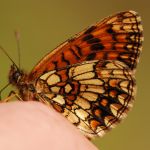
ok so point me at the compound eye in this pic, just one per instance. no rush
(16, 76)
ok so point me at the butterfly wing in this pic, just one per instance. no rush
(118, 37)
(93, 95)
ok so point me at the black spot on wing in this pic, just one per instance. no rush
(97, 46)
(89, 30)
(110, 31)
(78, 49)
(91, 56)
(88, 37)
(94, 40)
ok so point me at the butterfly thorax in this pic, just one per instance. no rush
(15, 76)
(19, 79)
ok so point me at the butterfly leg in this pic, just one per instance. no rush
(11, 96)
(42, 100)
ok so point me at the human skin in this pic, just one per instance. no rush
(33, 126)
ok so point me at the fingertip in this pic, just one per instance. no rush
(32, 125)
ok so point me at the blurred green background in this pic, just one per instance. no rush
(45, 24)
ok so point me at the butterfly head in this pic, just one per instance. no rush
(15, 75)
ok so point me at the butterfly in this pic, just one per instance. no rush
(90, 78)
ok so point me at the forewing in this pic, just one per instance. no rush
(118, 37)
(93, 95)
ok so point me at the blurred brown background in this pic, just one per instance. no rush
(45, 24)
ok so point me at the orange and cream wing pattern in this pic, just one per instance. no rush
(90, 77)
(93, 95)
(118, 37)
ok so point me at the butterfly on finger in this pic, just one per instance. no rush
(90, 77)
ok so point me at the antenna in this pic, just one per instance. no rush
(17, 36)
(4, 51)
(3, 89)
